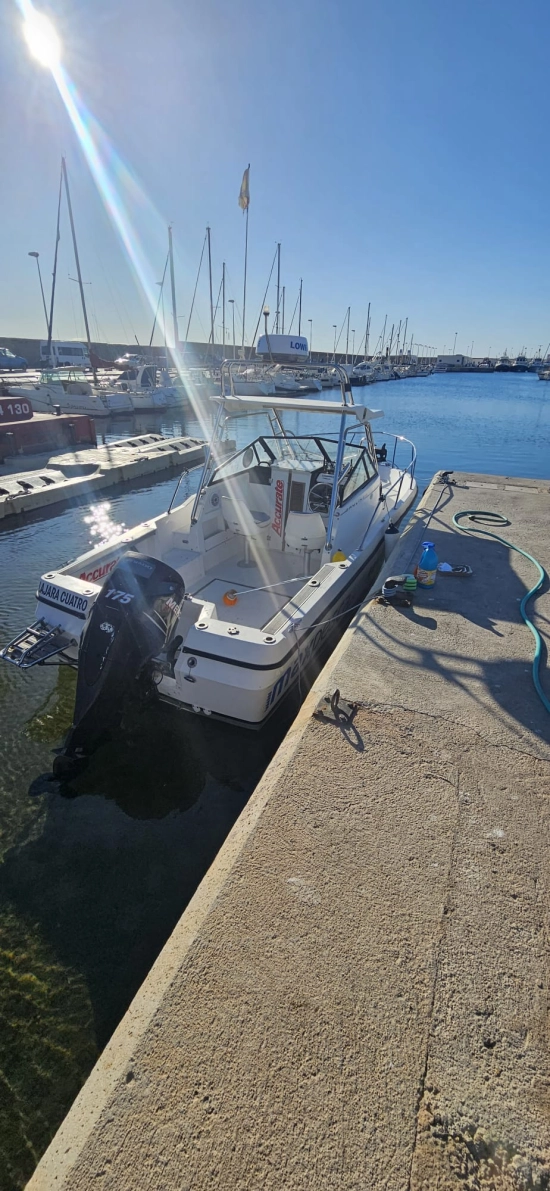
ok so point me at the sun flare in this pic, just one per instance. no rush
(42, 39)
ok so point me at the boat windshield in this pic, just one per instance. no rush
(319, 450)
(56, 376)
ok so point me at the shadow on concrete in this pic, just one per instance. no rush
(488, 600)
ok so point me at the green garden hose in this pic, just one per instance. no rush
(480, 515)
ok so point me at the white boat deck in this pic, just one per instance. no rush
(253, 608)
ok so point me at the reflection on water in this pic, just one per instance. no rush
(95, 876)
(102, 526)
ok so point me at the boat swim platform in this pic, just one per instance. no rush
(357, 995)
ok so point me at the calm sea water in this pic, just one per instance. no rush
(91, 884)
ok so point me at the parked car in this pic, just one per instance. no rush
(11, 362)
(129, 360)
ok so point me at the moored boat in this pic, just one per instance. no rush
(66, 389)
(219, 605)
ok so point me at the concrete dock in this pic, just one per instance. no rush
(357, 995)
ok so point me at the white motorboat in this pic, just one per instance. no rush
(246, 381)
(219, 605)
(68, 389)
(140, 386)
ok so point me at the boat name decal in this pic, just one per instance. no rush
(277, 523)
(99, 572)
(67, 599)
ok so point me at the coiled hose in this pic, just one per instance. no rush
(481, 516)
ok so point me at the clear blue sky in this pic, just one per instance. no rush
(398, 151)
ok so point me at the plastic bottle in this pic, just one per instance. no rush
(427, 567)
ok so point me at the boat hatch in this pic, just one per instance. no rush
(36, 644)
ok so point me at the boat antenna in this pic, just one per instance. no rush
(278, 288)
(76, 258)
(223, 309)
(347, 333)
(173, 288)
(54, 274)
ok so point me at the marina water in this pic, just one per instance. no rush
(93, 880)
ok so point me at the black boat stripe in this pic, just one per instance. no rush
(216, 657)
(60, 607)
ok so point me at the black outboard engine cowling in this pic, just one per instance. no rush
(133, 619)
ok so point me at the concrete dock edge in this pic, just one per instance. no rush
(357, 994)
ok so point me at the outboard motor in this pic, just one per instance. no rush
(133, 618)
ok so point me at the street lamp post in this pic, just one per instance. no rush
(334, 352)
(35, 254)
(353, 346)
(454, 344)
(232, 305)
(310, 321)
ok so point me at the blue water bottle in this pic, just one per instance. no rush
(427, 567)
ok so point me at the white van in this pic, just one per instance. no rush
(65, 354)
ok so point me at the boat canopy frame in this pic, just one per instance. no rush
(229, 404)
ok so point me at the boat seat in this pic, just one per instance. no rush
(305, 531)
(251, 523)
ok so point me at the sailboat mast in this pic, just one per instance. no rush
(210, 282)
(54, 274)
(405, 336)
(161, 290)
(245, 267)
(367, 334)
(278, 288)
(173, 287)
(300, 310)
(283, 327)
(75, 246)
(347, 333)
(223, 309)
(383, 336)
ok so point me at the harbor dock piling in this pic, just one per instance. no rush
(357, 995)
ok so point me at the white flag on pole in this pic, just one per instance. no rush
(244, 196)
